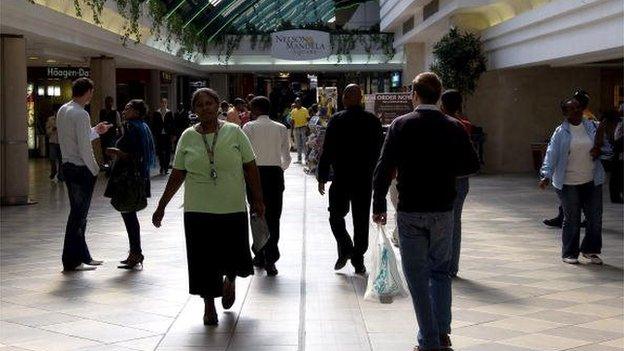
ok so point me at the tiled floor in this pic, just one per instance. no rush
(513, 293)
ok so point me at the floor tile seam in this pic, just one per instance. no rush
(188, 299)
(81, 318)
(361, 310)
(240, 311)
(301, 338)
(58, 333)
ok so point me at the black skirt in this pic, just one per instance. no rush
(217, 245)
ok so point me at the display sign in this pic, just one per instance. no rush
(327, 100)
(300, 44)
(67, 72)
(389, 106)
(165, 77)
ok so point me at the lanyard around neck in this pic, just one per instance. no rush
(210, 149)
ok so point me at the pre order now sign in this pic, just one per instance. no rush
(300, 44)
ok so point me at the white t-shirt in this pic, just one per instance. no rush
(580, 168)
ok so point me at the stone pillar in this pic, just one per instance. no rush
(173, 93)
(153, 91)
(414, 58)
(103, 71)
(103, 75)
(14, 146)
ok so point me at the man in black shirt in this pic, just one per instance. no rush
(351, 147)
(429, 150)
(110, 116)
(163, 130)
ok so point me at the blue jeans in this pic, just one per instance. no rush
(300, 140)
(462, 186)
(574, 198)
(80, 183)
(425, 243)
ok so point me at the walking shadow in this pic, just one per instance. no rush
(484, 292)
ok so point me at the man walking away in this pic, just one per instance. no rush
(351, 148)
(80, 170)
(300, 117)
(426, 184)
(271, 145)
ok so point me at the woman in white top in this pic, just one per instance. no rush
(572, 164)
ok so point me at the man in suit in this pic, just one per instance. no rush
(163, 129)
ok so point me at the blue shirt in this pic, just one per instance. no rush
(556, 159)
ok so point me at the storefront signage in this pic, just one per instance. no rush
(165, 77)
(300, 44)
(67, 72)
(389, 106)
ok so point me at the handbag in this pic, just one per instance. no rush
(126, 188)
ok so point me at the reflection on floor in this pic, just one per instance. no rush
(513, 293)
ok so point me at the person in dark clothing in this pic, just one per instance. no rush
(163, 130)
(351, 148)
(109, 116)
(135, 151)
(429, 151)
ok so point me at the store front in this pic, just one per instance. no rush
(47, 89)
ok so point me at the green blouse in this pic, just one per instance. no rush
(226, 194)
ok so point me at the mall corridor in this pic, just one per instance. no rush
(513, 294)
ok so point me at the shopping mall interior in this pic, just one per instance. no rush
(521, 59)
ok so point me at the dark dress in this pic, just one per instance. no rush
(130, 143)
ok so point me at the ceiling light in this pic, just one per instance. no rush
(50, 61)
(33, 58)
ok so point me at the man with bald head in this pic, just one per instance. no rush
(351, 148)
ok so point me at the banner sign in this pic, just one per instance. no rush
(389, 106)
(67, 72)
(300, 44)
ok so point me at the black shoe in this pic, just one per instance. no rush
(258, 262)
(360, 269)
(554, 222)
(341, 262)
(271, 270)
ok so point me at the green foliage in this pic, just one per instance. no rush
(459, 60)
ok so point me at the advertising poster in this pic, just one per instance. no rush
(389, 106)
(327, 100)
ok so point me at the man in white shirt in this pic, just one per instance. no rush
(271, 145)
(80, 170)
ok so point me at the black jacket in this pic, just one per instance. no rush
(157, 124)
(429, 150)
(351, 147)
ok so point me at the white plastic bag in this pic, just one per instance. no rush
(384, 279)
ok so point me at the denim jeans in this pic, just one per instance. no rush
(574, 198)
(80, 183)
(425, 245)
(462, 186)
(300, 140)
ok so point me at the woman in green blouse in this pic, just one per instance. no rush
(214, 159)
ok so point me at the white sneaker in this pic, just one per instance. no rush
(570, 260)
(593, 258)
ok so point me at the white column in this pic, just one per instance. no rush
(103, 74)
(415, 58)
(14, 147)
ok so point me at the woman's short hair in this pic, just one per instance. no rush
(213, 94)
(564, 104)
(139, 106)
(582, 97)
(81, 86)
(428, 87)
(451, 100)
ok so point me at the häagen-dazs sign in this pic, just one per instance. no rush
(300, 44)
